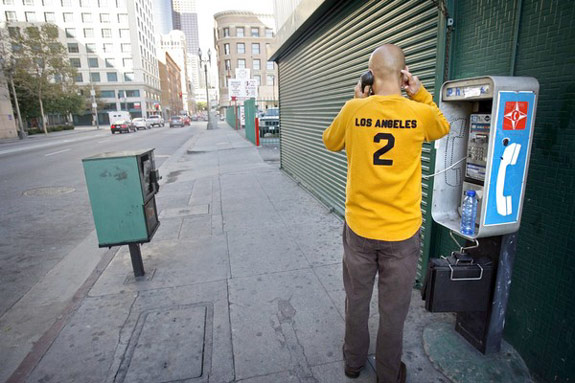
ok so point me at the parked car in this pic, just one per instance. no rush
(186, 120)
(156, 120)
(176, 121)
(194, 117)
(122, 126)
(270, 123)
(141, 123)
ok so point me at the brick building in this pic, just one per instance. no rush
(170, 83)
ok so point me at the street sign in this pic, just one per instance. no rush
(242, 74)
(251, 88)
(237, 89)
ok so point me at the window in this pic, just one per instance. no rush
(127, 62)
(109, 63)
(84, 3)
(10, 16)
(123, 18)
(8, 2)
(270, 79)
(104, 17)
(73, 48)
(14, 32)
(124, 33)
(75, 62)
(226, 49)
(68, 17)
(239, 31)
(269, 32)
(226, 32)
(49, 17)
(92, 62)
(86, 17)
(126, 48)
(30, 17)
(112, 76)
(270, 65)
(70, 32)
(88, 32)
(109, 106)
(129, 76)
(108, 47)
(66, 3)
(258, 79)
(95, 77)
(102, 3)
(256, 48)
(228, 64)
(106, 33)
(28, 2)
(108, 94)
(255, 32)
(256, 64)
(78, 78)
(91, 48)
(241, 47)
(241, 63)
(47, 2)
(133, 93)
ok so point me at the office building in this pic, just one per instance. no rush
(242, 40)
(162, 15)
(185, 19)
(174, 43)
(110, 42)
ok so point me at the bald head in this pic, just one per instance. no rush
(386, 62)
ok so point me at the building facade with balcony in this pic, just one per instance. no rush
(111, 43)
(242, 39)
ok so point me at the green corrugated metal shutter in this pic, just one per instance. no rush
(317, 75)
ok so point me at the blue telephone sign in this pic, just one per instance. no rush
(511, 144)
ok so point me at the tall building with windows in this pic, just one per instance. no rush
(162, 15)
(174, 43)
(185, 19)
(242, 39)
(110, 42)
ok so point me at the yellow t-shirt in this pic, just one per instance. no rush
(383, 137)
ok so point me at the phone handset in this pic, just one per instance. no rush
(504, 203)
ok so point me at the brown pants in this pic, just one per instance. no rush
(396, 263)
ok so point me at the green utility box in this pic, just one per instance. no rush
(122, 188)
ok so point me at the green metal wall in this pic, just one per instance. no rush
(317, 75)
(250, 115)
(541, 316)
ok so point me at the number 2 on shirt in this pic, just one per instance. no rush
(377, 160)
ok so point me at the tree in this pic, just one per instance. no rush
(43, 70)
(201, 105)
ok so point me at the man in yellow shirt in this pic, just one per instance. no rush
(382, 135)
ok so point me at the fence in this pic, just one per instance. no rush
(267, 131)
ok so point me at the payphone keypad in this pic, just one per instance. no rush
(477, 146)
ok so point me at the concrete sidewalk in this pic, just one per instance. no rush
(243, 284)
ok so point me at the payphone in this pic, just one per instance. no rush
(487, 150)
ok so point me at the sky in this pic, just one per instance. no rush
(207, 8)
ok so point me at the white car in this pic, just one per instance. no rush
(156, 120)
(141, 123)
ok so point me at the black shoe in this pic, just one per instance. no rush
(352, 373)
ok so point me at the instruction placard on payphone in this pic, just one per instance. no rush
(487, 150)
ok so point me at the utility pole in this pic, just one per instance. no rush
(206, 62)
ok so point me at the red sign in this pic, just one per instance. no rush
(234, 98)
(515, 115)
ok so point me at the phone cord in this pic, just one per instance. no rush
(444, 170)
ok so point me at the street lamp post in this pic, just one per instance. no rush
(206, 62)
(94, 106)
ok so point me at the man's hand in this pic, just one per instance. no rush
(358, 93)
(411, 83)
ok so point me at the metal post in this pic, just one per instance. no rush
(21, 125)
(95, 106)
(136, 256)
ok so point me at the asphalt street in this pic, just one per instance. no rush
(45, 210)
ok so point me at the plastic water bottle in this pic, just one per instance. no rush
(468, 213)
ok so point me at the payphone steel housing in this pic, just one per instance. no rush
(492, 121)
(122, 188)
